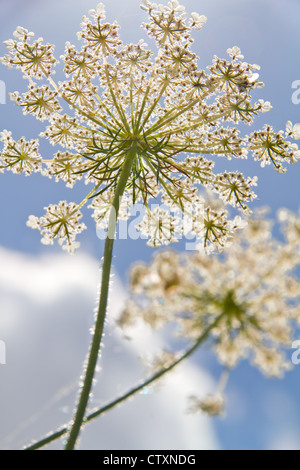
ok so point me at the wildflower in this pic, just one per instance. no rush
(21, 156)
(293, 130)
(269, 147)
(197, 21)
(160, 226)
(61, 221)
(102, 205)
(248, 296)
(34, 58)
(163, 115)
(40, 101)
(63, 167)
(149, 127)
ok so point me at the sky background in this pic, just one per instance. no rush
(47, 298)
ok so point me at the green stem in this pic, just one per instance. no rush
(133, 391)
(100, 319)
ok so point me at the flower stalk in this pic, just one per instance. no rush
(100, 319)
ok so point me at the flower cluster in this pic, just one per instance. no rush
(213, 405)
(171, 117)
(248, 297)
(21, 156)
(61, 221)
(34, 58)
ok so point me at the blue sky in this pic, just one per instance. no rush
(261, 414)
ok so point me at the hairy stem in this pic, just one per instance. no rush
(100, 319)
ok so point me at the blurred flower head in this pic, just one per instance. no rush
(250, 293)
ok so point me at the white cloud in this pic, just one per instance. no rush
(46, 306)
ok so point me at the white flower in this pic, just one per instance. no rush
(60, 221)
(160, 226)
(269, 147)
(250, 293)
(99, 12)
(5, 136)
(146, 5)
(175, 118)
(19, 156)
(254, 77)
(22, 34)
(265, 105)
(235, 52)
(33, 222)
(174, 6)
(197, 21)
(271, 362)
(293, 130)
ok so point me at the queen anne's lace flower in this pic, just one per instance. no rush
(173, 118)
(269, 147)
(102, 205)
(63, 167)
(235, 189)
(61, 221)
(160, 226)
(39, 101)
(21, 156)
(249, 297)
(34, 58)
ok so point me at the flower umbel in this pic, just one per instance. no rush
(249, 296)
(173, 118)
(21, 156)
(61, 221)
